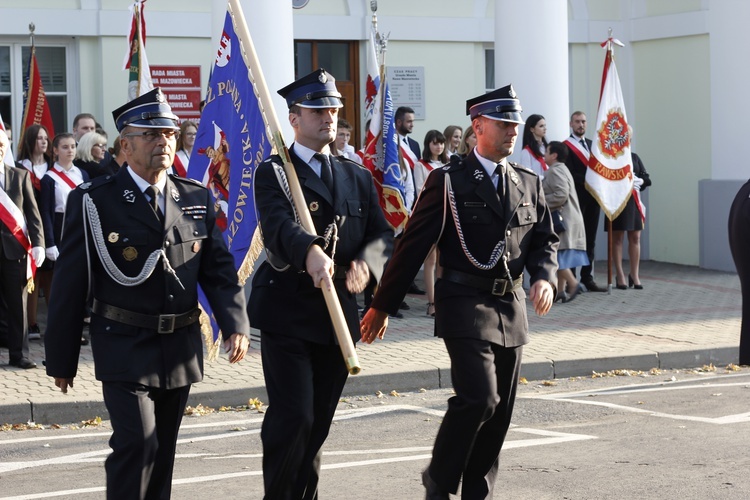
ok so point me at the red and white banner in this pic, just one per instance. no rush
(609, 177)
(380, 155)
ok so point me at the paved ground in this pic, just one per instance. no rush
(684, 317)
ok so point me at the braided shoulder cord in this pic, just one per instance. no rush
(497, 252)
(91, 215)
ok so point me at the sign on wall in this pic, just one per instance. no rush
(407, 88)
(182, 87)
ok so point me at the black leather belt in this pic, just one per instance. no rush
(496, 286)
(162, 323)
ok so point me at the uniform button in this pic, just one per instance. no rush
(166, 243)
(170, 298)
(338, 218)
(195, 233)
(270, 282)
(507, 232)
(528, 217)
(359, 209)
(107, 328)
(125, 240)
(474, 217)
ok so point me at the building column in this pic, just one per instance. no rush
(271, 28)
(531, 52)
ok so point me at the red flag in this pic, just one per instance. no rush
(609, 177)
(35, 109)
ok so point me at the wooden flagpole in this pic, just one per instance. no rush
(274, 133)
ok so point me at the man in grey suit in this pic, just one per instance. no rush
(140, 242)
(18, 244)
(489, 221)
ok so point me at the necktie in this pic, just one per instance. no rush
(501, 183)
(325, 171)
(153, 193)
(583, 143)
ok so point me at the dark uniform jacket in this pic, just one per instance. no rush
(21, 192)
(286, 302)
(131, 232)
(461, 310)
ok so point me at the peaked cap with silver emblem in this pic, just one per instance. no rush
(501, 104)
(316, 90)
(151, 110)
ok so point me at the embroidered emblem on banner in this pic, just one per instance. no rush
(614, 134)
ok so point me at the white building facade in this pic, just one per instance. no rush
(682, 79)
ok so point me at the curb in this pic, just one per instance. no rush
(47, 411)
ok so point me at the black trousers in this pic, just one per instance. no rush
(145, 422)
(590, 211)
(485, 377)
(304, 381)
(14, 294)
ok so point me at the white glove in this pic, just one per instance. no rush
(37, 253)
(52, 253)
(637, 182)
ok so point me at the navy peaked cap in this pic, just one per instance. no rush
(501, 104)
(316, 90)
(151, 110)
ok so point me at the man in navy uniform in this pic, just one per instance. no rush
(489, 221)
(303, 367)
(140, 242)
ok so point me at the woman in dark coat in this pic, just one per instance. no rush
(632, 219)
(739, 243)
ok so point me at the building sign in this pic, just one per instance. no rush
(407, 88)
(182, 87)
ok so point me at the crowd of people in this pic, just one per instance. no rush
(477, 223)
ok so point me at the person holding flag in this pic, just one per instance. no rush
(21, 252)
(609, 176)
(140, 242)
(302, 364)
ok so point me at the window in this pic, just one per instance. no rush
(489, 69)
(53, 63)
(5, 96)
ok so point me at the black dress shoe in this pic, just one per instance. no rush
(434, 492)
(416, 290)
(404, 306)
(591, 286)
(398, 315)
(24, 363)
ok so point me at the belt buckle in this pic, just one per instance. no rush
(166, 323)
(499, 286)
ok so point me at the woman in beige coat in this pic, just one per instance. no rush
(560, 194)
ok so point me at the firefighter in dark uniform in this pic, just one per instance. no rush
(303, 367)
(140, 242)
(489, 221)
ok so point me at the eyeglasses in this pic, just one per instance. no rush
(190, 134)
(100, 145)
(153, 135)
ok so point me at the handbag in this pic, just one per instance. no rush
(558, 223)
